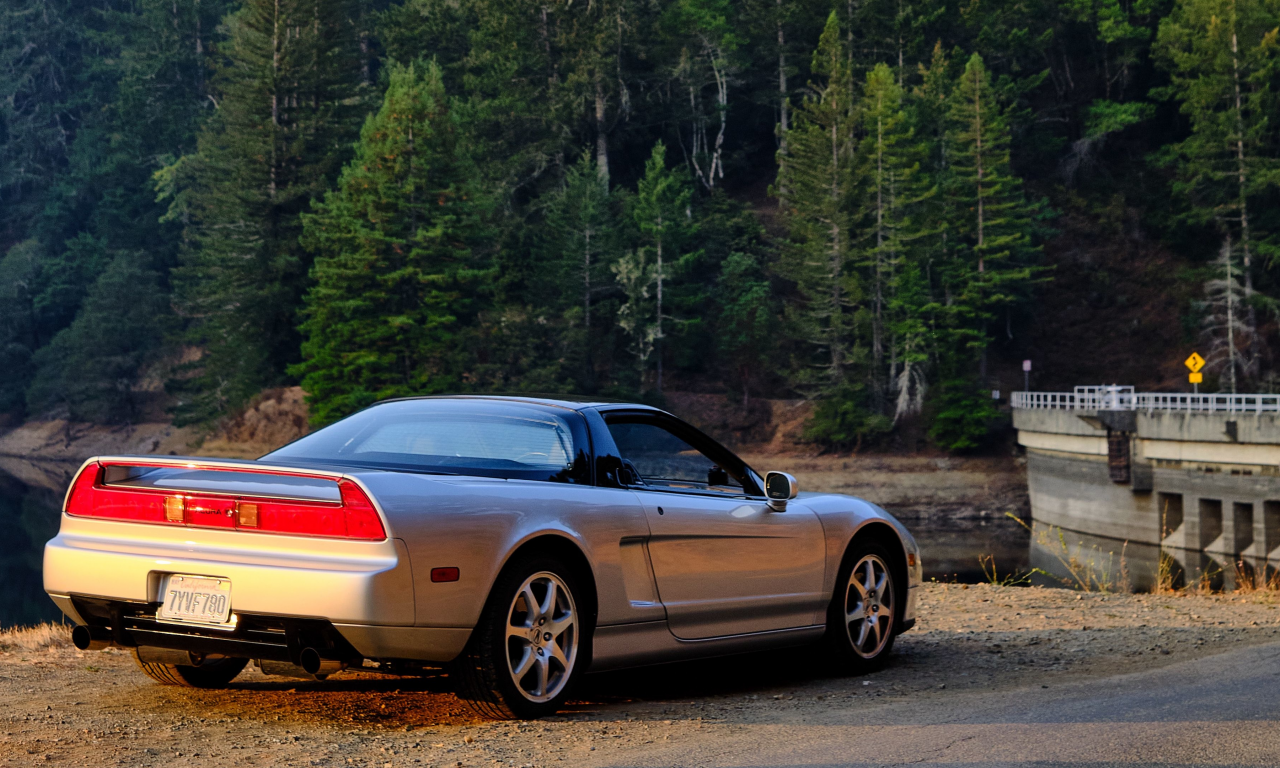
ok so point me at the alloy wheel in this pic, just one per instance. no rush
(542, 637)
(869, 606)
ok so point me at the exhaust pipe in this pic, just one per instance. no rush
(282, 669)
(88, 638)
(321, 668)
(150, 654)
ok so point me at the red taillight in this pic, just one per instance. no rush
(354, 517)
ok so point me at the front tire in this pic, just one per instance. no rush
(210, 673)
(528, 648)
(862, 620)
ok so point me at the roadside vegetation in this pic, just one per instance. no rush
(40, 637)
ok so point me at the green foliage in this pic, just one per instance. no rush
(604, 226)
(963, 414)
(93, 366)
(662, 217)
(845, 419)
(1223, 59)
(989, 220)
(287, 91)
(746, 341)
(816, 187)
(580, 240)
(398, 280)
(1105, 117)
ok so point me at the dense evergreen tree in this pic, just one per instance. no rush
(581, 238)
(663, 220)
(287, 88)
(541, 244)
(93, 366)
(1224, 59)
(397, 274)
(888, 172)
(819, 181)
(746, 338)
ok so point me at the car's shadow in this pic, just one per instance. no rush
(361, 697)
(725, 675)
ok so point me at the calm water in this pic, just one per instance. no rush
(29, 517)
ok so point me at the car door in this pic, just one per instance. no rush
(725, 564)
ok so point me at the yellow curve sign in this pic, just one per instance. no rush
(1195, 362)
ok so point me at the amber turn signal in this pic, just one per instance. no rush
(444, 574)
(911, 559)
(174, 509)
(248, 515)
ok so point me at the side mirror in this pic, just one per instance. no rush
(779, 488)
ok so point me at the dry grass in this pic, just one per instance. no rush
(38, 638)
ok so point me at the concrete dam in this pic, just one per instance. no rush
(1189, 480)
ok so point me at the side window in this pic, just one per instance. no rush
(664, 460)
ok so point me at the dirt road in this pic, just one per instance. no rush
(993, 644)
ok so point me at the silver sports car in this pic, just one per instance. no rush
(515, 542)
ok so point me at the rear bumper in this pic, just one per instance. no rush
(270, 638)
(364, 583)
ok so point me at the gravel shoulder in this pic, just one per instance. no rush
(65, 706)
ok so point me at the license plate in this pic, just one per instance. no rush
(196, 599)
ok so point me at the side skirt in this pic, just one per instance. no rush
(632, 645)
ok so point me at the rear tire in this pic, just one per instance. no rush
(211, 673)
(862, 620)
(530, 644)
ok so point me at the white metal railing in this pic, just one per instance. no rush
(1107, 398)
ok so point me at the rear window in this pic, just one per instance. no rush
(465, 437)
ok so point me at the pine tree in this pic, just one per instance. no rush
(661, 212)
(580, 242)
(42, 47)
(888, 174)
(20, 271)
(992, 222)
(745, 328)
(1225, 326)
(990, 263)
(398, 281)
(286, 86)
(93, 366)
(818, 178)
(1223, 57)
(635, 276)
(707, 64)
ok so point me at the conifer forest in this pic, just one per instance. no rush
(883, 206)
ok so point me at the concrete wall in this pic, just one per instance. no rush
(1205, 489)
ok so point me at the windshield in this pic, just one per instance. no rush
(464, 437)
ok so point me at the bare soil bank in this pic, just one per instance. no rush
(67, 707)
(276, 417)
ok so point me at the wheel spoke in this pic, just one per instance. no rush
(558, 626)
(862, 634)
(875, 624)
(548, 608)
(526, 661)
(884, 577)
(558, 654)
(858, 610)
(544, 669)
(862, 591)
(532, 613)
(870, 575)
